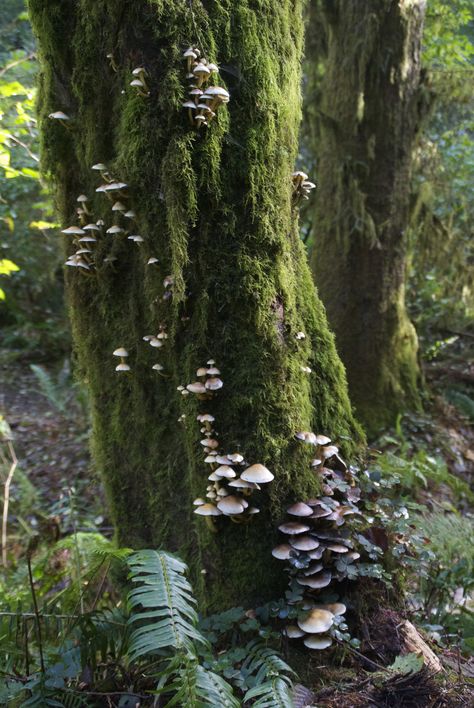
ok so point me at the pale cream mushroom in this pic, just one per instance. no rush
(122, 367)
(282, 552)
(196, 387)
(293, 632)
(214, 384)
(225, 471)
(257, 473)
(315, 582)
(316, 621)
(231, 506)
(208, 510)
(73, 231)
(152, 260)
(304, 543)
(300, 509)
(292, 528)
(316, 642)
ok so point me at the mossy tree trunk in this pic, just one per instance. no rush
(364, 122)
(214, 206)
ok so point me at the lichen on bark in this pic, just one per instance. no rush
(215, 208)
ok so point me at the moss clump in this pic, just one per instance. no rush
(215, 209)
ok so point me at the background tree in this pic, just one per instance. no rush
(364, 129)
(215, 207)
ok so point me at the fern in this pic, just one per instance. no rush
(276, 693)
(194, 685)
(263, 663)
(164, 595)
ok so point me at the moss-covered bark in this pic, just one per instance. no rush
(364, 124)
(215, 208)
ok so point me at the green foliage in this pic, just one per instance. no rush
(165, 595)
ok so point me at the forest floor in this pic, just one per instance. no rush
(50, 426)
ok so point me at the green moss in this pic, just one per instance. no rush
(215, 208)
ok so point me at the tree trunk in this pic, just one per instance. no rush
(364, 129)
(214, 206)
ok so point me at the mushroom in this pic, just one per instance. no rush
(196, 387)
(316, 621)
(231, 505)
(315, 582)
(225, 471)
(157, 367)
(300, 509)
(291, 528)
(282, 552)
(214, 384)
(114, 230)
(122, 367)
(304, 543)
(258, 474)
(293, 632)
(315, 642)
(60, 116)
(73, 230)
(152, 260)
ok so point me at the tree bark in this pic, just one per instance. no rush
(364, 130)
(214, 206)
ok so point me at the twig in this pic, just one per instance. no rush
(37, 614)
(361, 656)
(6, 500)
(9, 66)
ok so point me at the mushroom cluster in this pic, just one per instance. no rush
(207, 383)
(139, 81)
(203, 101)
(316, 547)
(302, 187)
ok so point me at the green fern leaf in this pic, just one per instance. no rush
(271, 694)
(165, 597)
(193, 685)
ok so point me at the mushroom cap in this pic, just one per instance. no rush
(329, 451)
(87, 239)
(336, 547)
(196, 92)
(115, 186)
(293, 632)
(300, 509)
(257, 473)
(243, 484)
(205, 418)
(139, 70)
(136, 82)
(91, 227)
(208, 510)
(337, 608)
(73, 230)
(304, 543)
(157, 367)
(231, 505)
(136, 238)
(320, 580)
(152, 260)
(118, 206)
(314, 641)
(322, 440)
(190, 53)
(312, 569)
(130, 214)
(213, 371)
(155, 342)
(300, 175)
(122, 367)
(282, 552)
(82, 198)
(202, 371)
(121, 351)
(114, 230)
(189, 104)
(198, 502)
(236, 457)
(210, 442)
(293, 527)
(225, 471)
(196, 387)
(201, 69)
(315, 621)
(213, 384)
(58, 115)
(99, 166)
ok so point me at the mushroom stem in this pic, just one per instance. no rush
(210, 523)
(191, 117)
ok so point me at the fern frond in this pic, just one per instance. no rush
(194, 685)
(271, 694)
(165, 597)
(264, 663)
